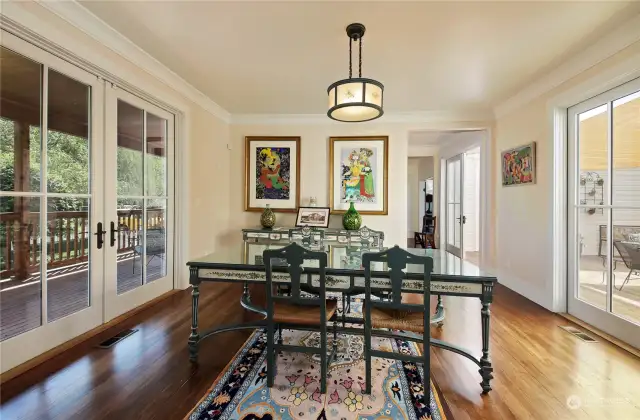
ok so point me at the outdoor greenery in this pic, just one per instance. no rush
(68, 173)
(68, 169)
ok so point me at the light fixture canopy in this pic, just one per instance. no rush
(356, 99)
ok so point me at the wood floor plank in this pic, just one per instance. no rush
(538, 366)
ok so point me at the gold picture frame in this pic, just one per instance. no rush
(252, 201)
(338, 198)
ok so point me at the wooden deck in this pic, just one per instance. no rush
(68, 292)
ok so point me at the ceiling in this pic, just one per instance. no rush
(279, 57)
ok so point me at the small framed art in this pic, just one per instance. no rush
(313, 217)
(519, 165)
(272, 166)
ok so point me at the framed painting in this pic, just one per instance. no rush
(313, 217)
(272, 176)
(519, 165)
(358, 173)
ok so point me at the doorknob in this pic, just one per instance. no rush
(462, 219)
(100, 234)
(113, 234)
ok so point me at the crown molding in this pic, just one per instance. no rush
(625, 35)
(418, 117)
(81, 18)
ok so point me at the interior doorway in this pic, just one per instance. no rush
(464, 176)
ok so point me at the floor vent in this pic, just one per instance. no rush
(116, 338)
(578, 333)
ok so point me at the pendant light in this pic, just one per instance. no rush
(355, 99)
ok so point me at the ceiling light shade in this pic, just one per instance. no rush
(355, 99)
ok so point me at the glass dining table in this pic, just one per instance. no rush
(451, 276)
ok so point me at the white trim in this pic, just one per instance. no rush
(607, 46)
(557, 113)
(418, 117)
(78, 16)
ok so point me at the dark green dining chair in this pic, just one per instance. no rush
(393, 315)
(296, 310)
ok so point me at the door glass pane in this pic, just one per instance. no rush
(592, 159)
(68, 249)
(68, 136)
(129, 243)
(457, 179)
(68, 217)
(130, 147)
(20, 250)
(626, 194)
(156, 163)
(156, 239)
(626, 242)
(626, 151)
(20, 144)
(592, 249)
(592, 257)
(456, 225)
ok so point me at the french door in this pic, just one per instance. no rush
(51, 144)
(453, 198)
(86, 201)
(138, 198)
(604, 212)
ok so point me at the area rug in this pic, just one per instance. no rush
(241, 391)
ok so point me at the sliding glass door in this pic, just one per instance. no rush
(86, 201)
(51, 266)
(604, 212)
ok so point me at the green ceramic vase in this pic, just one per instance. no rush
(351, 219)
(268, 218)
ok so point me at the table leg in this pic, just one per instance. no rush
(486, 371)
(194, 338)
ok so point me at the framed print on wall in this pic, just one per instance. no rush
(519, 165)
(313, 217)
(358, 172)
(272, 176)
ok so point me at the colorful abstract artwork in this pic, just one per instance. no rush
(272, 173)
(358, 169)
(358, 174)
(518, 165)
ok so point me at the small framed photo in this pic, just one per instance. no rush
(313, 217)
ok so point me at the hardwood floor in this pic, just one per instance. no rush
(538, 367)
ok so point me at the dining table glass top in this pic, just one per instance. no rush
(346, 258)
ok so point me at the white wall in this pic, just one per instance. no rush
(524, 214)
(314, 174)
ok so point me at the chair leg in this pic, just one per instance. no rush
(367, 355)
(626, 280)
(270, 356)
(323, 358)
(279, 335)
(334, 350)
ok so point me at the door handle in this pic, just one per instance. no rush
(100, 234)
(113, 234)
(462, 219)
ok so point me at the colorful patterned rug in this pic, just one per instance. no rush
(241, 391)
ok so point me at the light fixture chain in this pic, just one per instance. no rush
(350, 41)
(360, 58)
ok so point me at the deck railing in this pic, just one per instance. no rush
(67, 240)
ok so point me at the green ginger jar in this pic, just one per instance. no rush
(268, 218)
(351, 220)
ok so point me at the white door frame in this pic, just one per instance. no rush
(473, 138)
(115, 304)
(557, 108)
(604, 320)
(19, 349)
